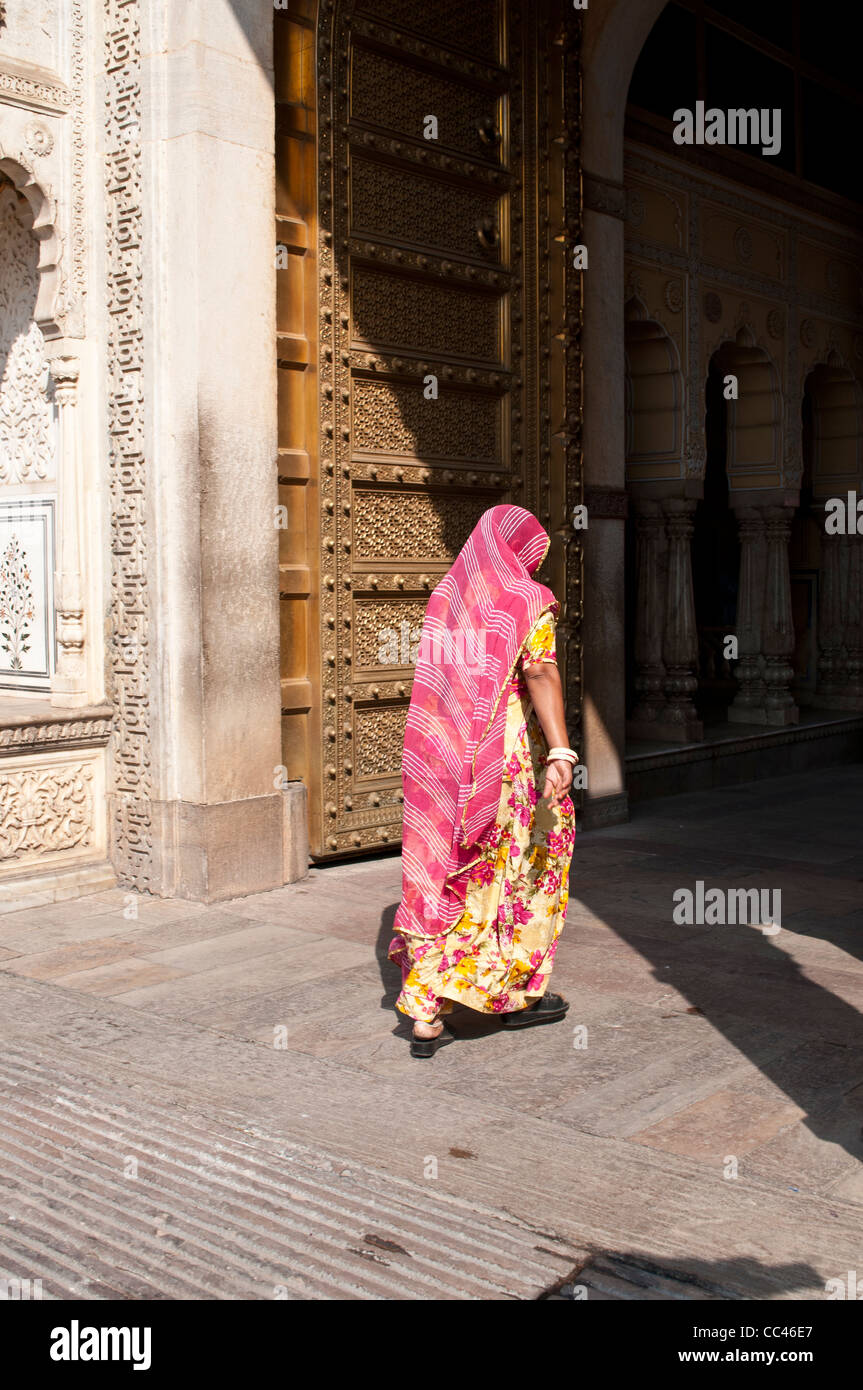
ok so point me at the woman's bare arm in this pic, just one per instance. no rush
(546, 694)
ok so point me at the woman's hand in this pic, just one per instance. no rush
(558, 780)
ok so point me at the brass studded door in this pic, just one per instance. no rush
(445, 358)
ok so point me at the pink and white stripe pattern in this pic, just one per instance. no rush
(452, 769)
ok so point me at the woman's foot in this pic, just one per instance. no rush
(427, 1030)
(425, 1036)
(547, 1009)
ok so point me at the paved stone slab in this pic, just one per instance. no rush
(723, 1124)
(129, 973)
(703, 1042)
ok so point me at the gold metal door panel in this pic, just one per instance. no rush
(389, 420)
(403, 314)
(441, 258)
(394, 204)
(473, 26)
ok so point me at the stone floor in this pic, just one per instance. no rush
(709, 1130)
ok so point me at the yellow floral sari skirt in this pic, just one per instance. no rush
(499, 957)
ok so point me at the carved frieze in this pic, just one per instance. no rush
(19, 90)
(45, 811)
(35, 736)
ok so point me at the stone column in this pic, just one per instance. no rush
(778, 621)
(748, 704)
(69, 682)
(854, 621)
(604, 702)
(210, 399)
(829, 618)
(649, 620)
(680, 639)
(840, 623)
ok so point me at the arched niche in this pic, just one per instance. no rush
(654, 397)
(754, 455)
(833, 428)
(27, 416)
(43, 229)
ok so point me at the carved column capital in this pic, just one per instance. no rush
(64, 374)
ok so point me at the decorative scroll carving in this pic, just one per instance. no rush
(674, 295)
(44, 810)
(39, 139)
(776, 323)
(130, 676)
(26, 413)
(78, 269)
(26, 91)
(396, 419)
(88, 731)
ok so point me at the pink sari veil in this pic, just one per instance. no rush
(475, 626)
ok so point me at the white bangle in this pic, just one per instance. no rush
(565, 754)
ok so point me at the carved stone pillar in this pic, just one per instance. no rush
(649, 620)
(830, 656)
(854, 621)
(748, 706)
(840, 623)
(778, 620)
(680, 638)
(69, 682)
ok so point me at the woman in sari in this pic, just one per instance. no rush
(485, 854)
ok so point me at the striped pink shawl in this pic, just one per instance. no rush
(476, 623)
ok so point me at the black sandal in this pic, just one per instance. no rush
(425, 1047)
(548, 1009)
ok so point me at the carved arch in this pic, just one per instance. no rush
(44, 230)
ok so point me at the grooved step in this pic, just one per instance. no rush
(216, 1212)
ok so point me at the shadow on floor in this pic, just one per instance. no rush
(802, 1036)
